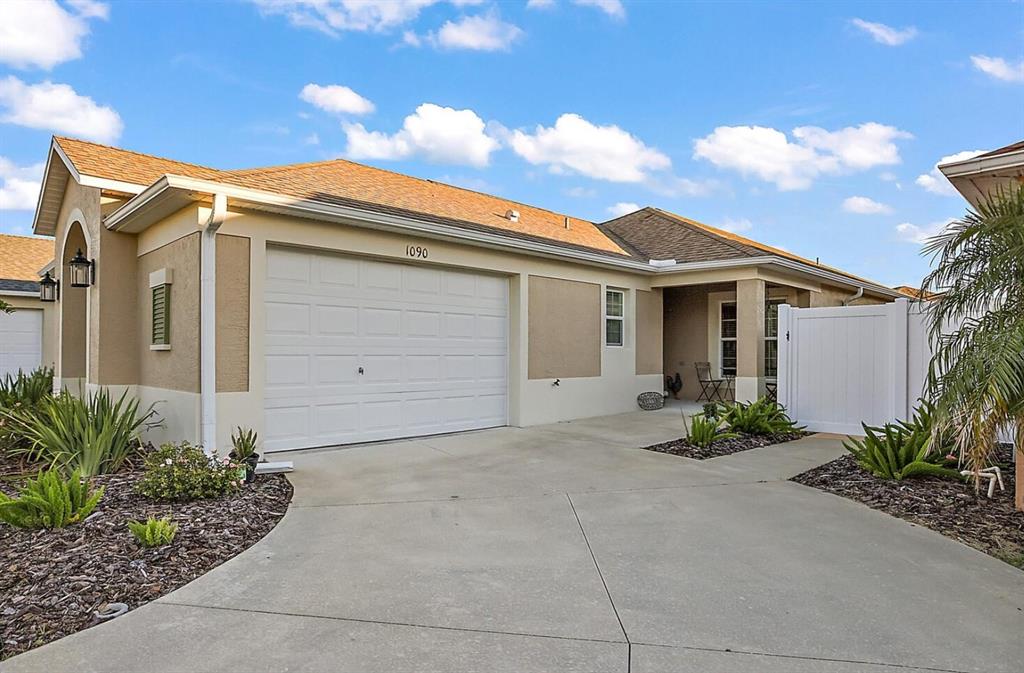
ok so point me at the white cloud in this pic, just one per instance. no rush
(20, 185)
(311, 139)
(574, 145)
(884, 34)
(580, 192)
(674, 186)
(438, 134)
(768, 154)
(612, 8)
(862, 205)
(57, 107)
(336, 99)
(411, 38)
(912, 233)
(477, 33)
(333, 17)
(622, 208)
(935, 182)
(736, 225)
(42, 33)
(540, 4)
(999, 68)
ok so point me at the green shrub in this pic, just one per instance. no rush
(704, 431)
(762, 417)
(154, 532)
(894, 452)
(243, 444)
(50, 502)
(711, 410)
(186, 472)
(26, 390)
(923, 420)
(93, 435)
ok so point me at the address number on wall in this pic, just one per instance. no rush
(416, 251)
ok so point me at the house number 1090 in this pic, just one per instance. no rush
(417, 251)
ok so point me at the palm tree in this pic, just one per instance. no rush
(976, 375)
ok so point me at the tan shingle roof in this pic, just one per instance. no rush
(113, 163)
(344, 182)
(21, 257)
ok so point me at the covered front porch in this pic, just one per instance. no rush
(732, 326)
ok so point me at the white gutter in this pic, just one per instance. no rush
(372, 219)
(983, 164)
(208, 323)
(18, 293)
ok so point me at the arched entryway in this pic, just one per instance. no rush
(72, 366)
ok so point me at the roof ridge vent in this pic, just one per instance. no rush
(512, 215)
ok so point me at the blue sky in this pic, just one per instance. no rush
(815, 127)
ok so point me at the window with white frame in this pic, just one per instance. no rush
(727, 337)
(614, 317)
(771, 337)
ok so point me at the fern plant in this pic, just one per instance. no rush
(704, 431)
(894, 452)
(48, 501)
(154, 532)
(764, 416)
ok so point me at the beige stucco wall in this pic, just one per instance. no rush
(649, 332)
(232, 313)
(834, 296)
(686, 335)
(564, 328)
(117, 335)
(177, 368)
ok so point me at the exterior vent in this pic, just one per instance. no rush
(161, 315)
(566, 221)
(512, 215)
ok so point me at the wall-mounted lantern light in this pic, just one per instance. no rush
(83, 271)
(49, 289)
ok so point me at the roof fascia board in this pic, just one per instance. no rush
(19, 293)
(151, 196)
(982, 164)
(42, 187)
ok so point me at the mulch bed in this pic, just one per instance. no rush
(944, 505)
(52, 581)
(723, 447)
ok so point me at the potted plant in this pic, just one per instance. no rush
(243, 450)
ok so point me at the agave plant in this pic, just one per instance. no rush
(976, 375)
(704, 431)
(92, 435)
(894, 452)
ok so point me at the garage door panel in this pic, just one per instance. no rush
(21, 341)
(432, 344)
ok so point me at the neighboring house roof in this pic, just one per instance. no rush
(915, 292)
(657, 234)
(21, 257)
(1013, 147)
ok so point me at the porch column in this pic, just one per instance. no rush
(750, 297)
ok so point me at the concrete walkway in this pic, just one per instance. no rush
(565, 548)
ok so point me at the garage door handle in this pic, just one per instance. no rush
(360, 370)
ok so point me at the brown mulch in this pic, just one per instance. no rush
(52, 581)
(722, 447)
(946, 506)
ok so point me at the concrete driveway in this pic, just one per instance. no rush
(564, 548)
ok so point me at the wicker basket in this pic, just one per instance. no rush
(650, 401)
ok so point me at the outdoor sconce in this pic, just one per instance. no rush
(83, 271)
(49, 289)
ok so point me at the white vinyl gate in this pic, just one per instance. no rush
(843, 365)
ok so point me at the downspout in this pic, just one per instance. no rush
(854, 297)
(208, 322)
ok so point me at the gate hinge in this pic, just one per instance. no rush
(787, 335)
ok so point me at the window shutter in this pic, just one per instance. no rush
(161, 315)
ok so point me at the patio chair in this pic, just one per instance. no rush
(710, 387)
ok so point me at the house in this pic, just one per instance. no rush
(27, 336)
(331, 302)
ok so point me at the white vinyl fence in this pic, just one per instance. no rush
(839, 366)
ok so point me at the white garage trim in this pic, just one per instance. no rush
(21, 341)
(360, 350)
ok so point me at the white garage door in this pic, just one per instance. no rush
(21, 341)
(360, 350)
